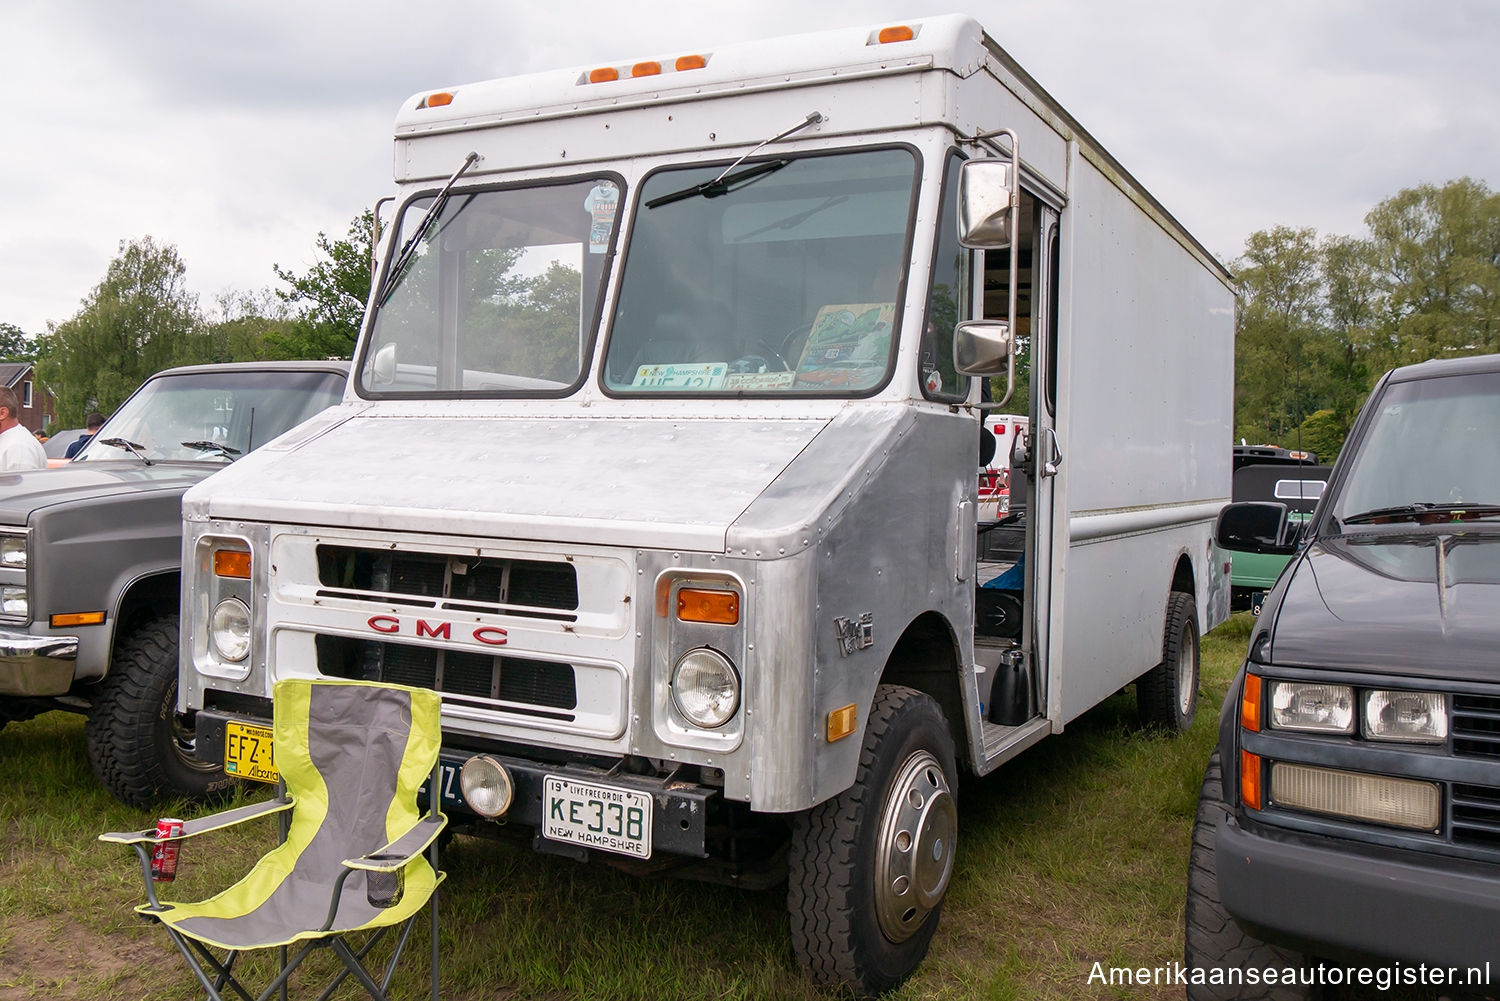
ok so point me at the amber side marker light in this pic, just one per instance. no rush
(696, 604)
(842, 722)
(232, 563)
(1250, 788)
(441, 99)
(895, 33)
(647, 68)
(689, 63)
(1250, 704)
(65, 619)
(604, 74)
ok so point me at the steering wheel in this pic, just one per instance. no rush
(765, 356)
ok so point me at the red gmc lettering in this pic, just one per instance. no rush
(443, 630)
(490, 635)
(384, 623)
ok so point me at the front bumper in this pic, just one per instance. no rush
(679, 819)
(36, 665)
(1322, 896)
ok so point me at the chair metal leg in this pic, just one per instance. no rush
(364, 951)
(341, 949)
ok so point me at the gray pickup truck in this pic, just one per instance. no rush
(90, 564)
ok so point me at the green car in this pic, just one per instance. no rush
(1269, 473)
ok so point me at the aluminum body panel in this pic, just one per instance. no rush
(573, 478)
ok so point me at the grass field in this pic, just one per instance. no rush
(1075, 853)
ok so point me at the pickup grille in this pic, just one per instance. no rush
(1476, 726)
(539, 589)
(1475, 815)
(529, 687)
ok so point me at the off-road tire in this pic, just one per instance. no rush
(1166, 697)
(140, 749)
(1211, 938)
(837, 908)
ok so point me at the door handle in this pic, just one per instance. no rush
(1054, 456)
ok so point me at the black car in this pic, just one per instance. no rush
(1350, 818)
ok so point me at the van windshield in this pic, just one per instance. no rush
(498, 296)
(783, 278)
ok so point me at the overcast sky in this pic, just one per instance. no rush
(238, 131)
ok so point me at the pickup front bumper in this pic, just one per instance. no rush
(36, 665)
(1321, 896)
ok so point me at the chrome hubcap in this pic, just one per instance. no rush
(1186, 676)
(918, 837)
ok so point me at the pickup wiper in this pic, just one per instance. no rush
(211, 446)
(133, 448)
(409, 249)
(1424, 512)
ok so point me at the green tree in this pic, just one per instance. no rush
(15, 345)
(137, 321)
(329, 298)
(1323, 432)
(1279, 304)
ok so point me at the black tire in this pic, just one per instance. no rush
(141, 749)
(1211, 938)
(1166, 697)
(850, 925)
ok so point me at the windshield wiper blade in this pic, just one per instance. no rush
(133, 448)
(211, 446)
(409, 249)
(1425, 512)
(721, 185)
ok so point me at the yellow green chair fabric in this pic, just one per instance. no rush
(352, 757)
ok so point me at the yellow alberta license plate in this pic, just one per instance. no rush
(249, 752)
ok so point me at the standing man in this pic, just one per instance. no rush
(92, 425)
(19, 448)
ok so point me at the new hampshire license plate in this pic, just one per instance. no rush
(598, 816)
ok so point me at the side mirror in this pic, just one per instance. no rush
(1254, 527)
(986, 196)
(384, 366)
(984, 347)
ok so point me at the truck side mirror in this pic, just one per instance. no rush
(1254, 527)
(384, 368)
(983, 347)
(986, 195)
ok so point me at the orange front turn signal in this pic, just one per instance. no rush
(1250, 790)
(66, 619)
(232, 563)
(1250, 704)
(698, 604)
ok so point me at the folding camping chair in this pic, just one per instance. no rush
(352, 757)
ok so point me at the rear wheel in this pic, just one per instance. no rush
(1167, 695)
(868, 869)
(141, 748)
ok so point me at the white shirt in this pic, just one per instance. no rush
(19, 449)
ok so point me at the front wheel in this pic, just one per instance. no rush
(141, 748)
(868, 869)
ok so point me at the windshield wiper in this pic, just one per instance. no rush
(721, 185)
(1424, 512)
(211, 446)
(728, 179)
(133, 448)
(409, 249)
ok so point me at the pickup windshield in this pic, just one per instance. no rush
(785, 277)
(211, 416)
(498, 295)
(1428, 455)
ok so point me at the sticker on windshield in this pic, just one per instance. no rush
(601, 205)
(757, 381)
(703, 375)
(848, 346)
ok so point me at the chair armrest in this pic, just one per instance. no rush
(403, 849)
(203, 825)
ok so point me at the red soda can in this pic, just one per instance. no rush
(164, 857)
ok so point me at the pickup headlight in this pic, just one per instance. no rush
(706, 688)
(1413, 717)
(1316, 708)
(13, 601)
(229, 628)
(13, 552)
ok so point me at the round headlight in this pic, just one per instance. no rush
(705, 687)
(486, 785)
(230, 629)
